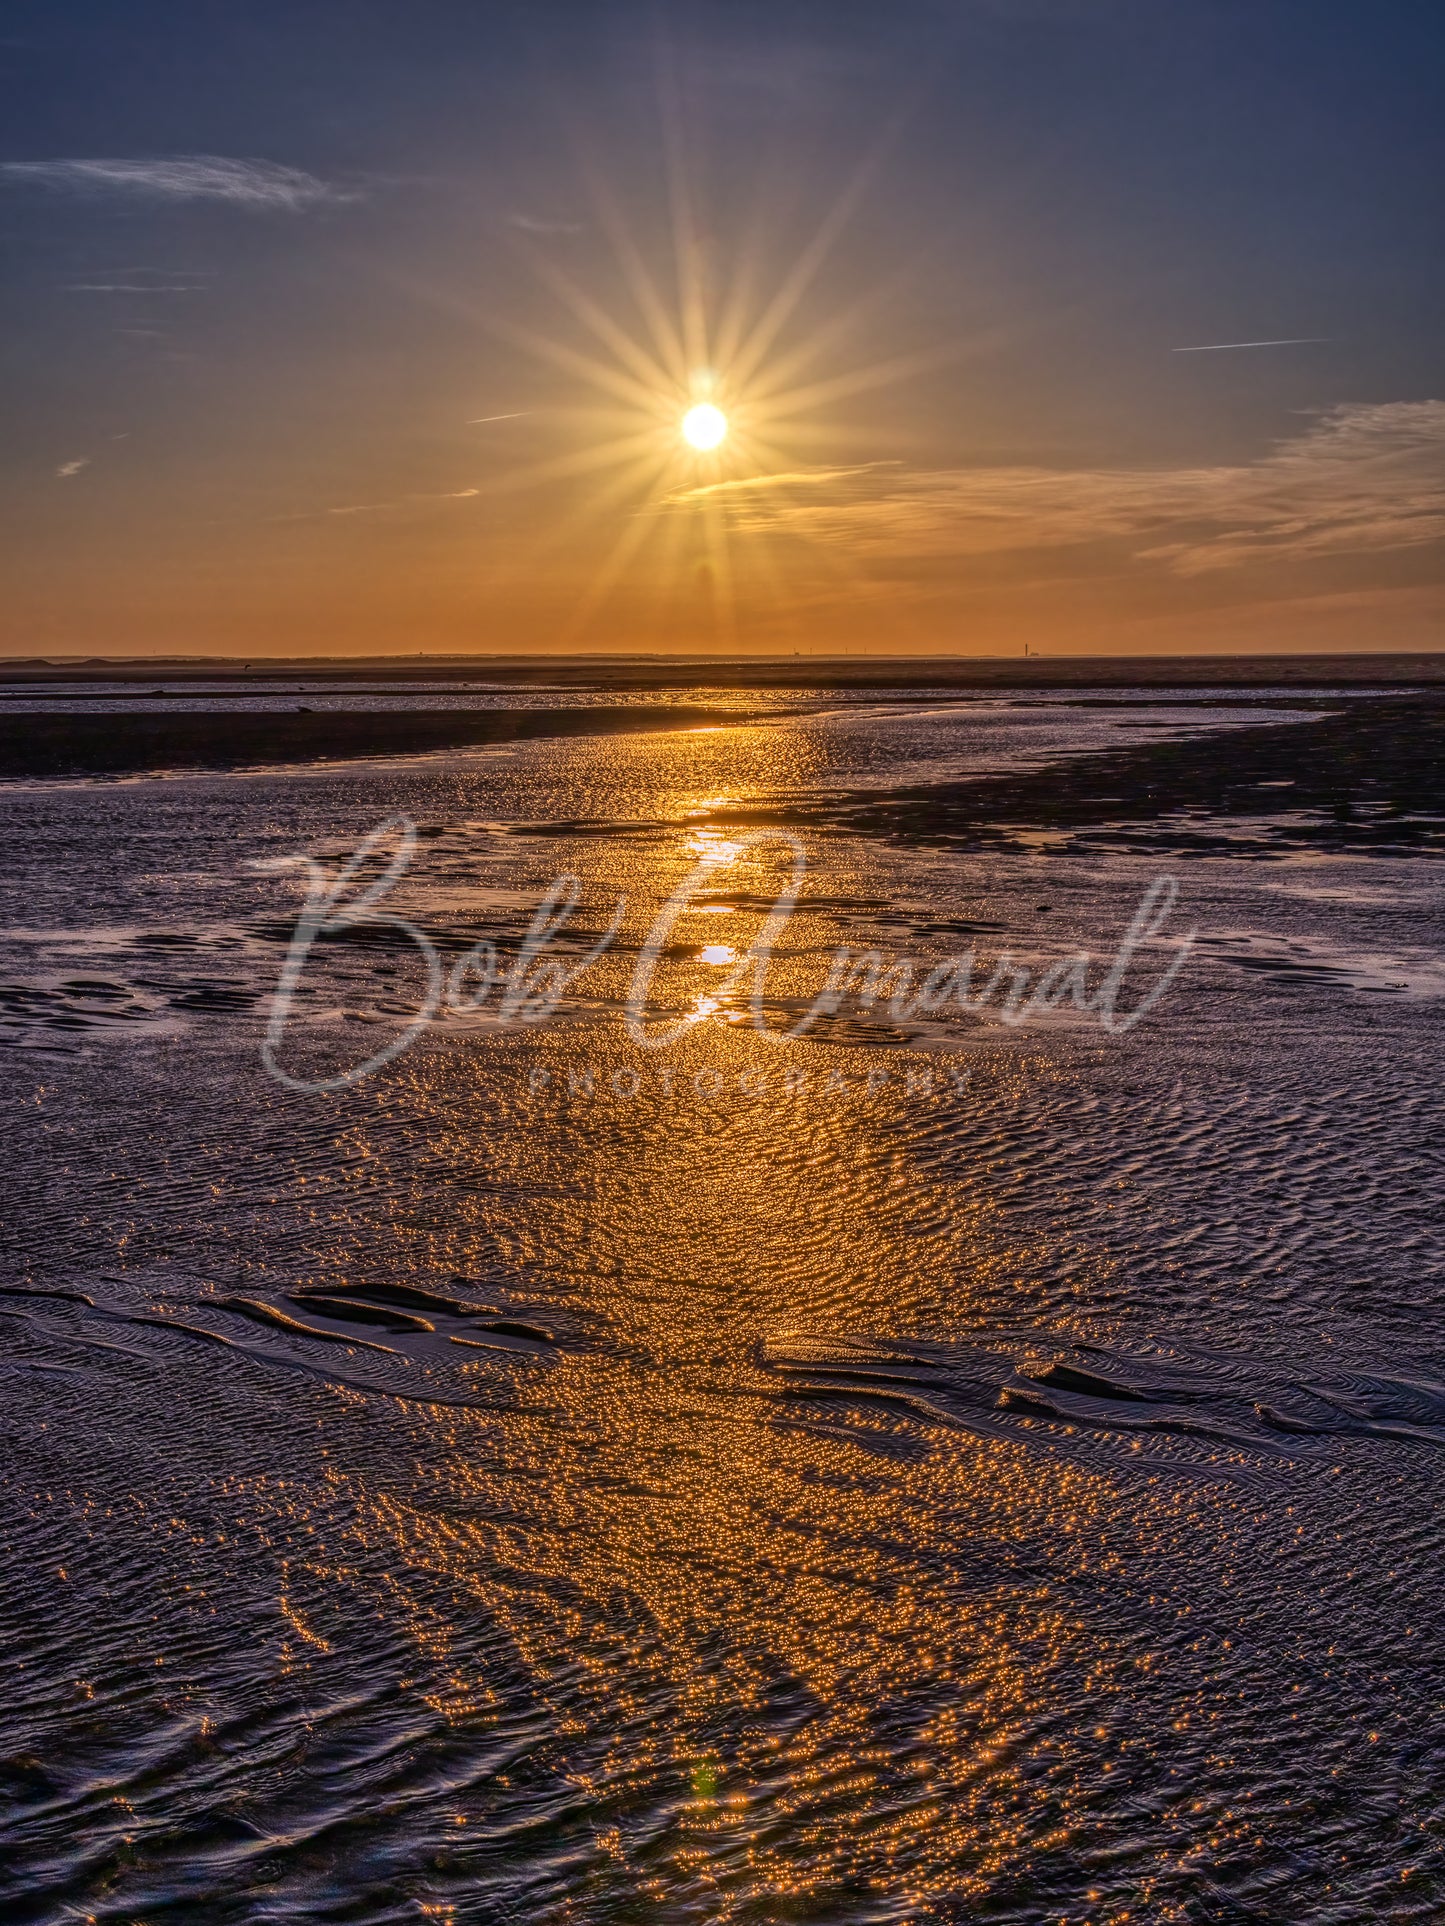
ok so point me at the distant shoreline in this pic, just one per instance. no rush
(633, 673)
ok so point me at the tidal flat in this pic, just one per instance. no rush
(908, 1471)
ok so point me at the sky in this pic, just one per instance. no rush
(342, 327)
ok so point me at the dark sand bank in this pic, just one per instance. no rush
(128, 742)
(1366, 778)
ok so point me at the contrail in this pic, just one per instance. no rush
(474, 421)
(1219, 347)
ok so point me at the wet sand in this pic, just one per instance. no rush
(868, 1478)
(1368, 775)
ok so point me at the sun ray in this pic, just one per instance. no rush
(695, 402)
(796, 283)
(629, 540)
(827, 339)
(883, 374)
(633, 356)
(582, 461)
(666, 336)
(687, 253)
(636, 392)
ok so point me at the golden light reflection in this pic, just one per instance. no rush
(723, 1595)
(880, 1632)
(709, 847)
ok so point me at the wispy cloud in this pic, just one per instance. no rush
(531, 224)
(1357, 480)
(255, 184)
(133, 281)
(401, 501)
(69, 468)
(1229, 347)
(743, 486)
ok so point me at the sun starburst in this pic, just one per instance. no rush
(695, 399)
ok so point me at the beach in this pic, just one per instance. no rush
(848, 1462)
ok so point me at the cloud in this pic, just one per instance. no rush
(69, 468)
(183, 177)
(143, 280)
(744, 486)
(1232, 347)
(399, 501)
(529, 224)
(1358, 480)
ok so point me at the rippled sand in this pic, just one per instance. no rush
(485, 1495)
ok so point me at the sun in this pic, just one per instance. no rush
(711, 406)
(704, 427)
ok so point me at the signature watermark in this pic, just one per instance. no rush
(1114, 991)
